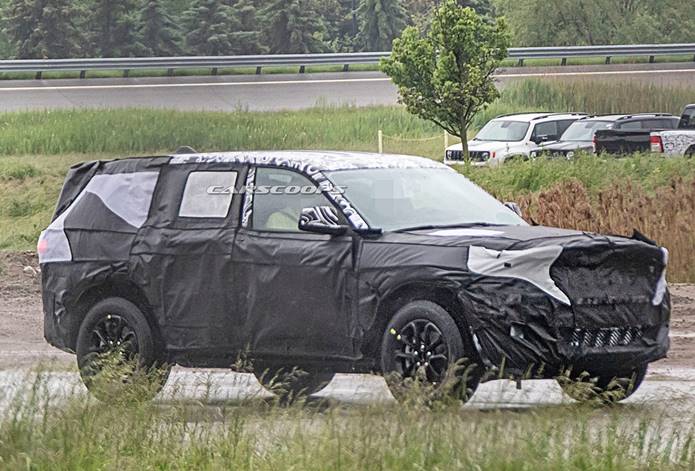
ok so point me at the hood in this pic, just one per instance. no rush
(482, 146)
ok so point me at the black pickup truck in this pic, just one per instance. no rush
(631, 133)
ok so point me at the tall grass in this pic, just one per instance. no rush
(38, 433)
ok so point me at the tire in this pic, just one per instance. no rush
(419, 333)
(291, 384)
(607, 388)
(117, 353)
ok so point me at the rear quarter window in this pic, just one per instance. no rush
(208, 194)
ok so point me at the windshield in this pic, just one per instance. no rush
(583, 130)
(502, 130)
(395, 199)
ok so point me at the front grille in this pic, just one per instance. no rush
(603, 337)
(475, 156)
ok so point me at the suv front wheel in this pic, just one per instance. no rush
(423, 352)
(117, 355)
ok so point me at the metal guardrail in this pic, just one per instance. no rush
(214, 63)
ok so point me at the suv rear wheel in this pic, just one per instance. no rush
(423, 346)
(117, 354)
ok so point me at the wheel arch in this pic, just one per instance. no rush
(445, 296)
(114, 287)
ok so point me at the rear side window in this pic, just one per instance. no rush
(630, 125)
(546, 130)
(208, 194)
(563, 125)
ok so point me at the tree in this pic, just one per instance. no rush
(210, 24)
(445, 76)
(246, 39)
(293, 27)
(160, 33)
(116, 29)
(381, 22)
(43, 28)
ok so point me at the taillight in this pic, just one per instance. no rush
(593, 142)
(42, 246)
(493, 155)
(656, 143)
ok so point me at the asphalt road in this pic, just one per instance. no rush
(279, 92)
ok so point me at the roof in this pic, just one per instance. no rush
(616, 117)
(311, 161)
(528, 117)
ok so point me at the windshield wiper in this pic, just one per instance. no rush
(446, 226)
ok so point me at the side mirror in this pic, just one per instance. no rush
(321, 220)
(514, 207)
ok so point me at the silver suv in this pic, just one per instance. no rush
(512, 136)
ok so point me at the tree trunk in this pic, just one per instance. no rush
(463, 134)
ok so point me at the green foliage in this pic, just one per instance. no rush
(115, 29)
(446, 75)
(209, 24)
(596, 22)
(293, 27)
(381, 22)
(160, 33)
(44, 28)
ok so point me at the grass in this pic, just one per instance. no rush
(41, 432)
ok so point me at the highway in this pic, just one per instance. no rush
(283, 91)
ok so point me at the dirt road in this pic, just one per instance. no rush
(21, 326)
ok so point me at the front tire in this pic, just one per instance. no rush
(606, 387)
(117, 355)
(423, 345)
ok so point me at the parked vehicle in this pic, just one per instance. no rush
(680, 142)
(631, 133)
(511, 137)
(578, 137)
(336, 262)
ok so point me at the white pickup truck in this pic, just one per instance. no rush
(680, 141)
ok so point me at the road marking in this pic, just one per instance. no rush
(321, 81)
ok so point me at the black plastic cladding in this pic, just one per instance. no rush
(214, 290)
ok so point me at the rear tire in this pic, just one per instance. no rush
(607, 388)
(423, 350)
(117, 355)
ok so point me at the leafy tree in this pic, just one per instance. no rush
(116, 29)
(210, 24)
(246, 39)
(293, 27)
(43, 28)
(446, 75)
(381, 22)
(159, 31)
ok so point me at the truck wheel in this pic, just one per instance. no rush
(291, 383)
(608, 388)
(117, 355)
(423, 351)
(690, 153)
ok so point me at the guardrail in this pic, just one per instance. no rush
(214, 63)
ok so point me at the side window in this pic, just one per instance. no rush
(279, 197)
(630, 125)
(563, 125)
(545, 132)
(207, 194)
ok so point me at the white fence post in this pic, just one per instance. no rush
(381, 141)
(446, 140)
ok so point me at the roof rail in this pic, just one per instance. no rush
(517, 114)
(635, 115)
(559, 114)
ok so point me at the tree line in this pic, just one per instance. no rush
(123, 28)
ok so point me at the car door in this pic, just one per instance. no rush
(297, 286)
(183, 255)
